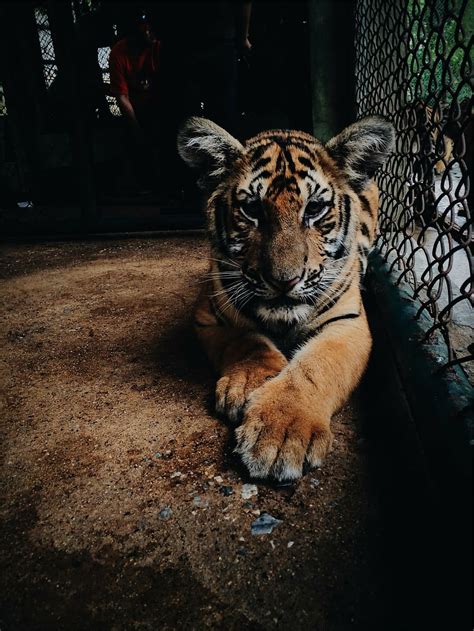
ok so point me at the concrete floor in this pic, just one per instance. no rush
(121, 501)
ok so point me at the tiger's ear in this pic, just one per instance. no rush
(205, 146)
(362, 148)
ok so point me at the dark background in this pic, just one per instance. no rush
(61, 148)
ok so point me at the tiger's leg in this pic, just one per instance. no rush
(286, 421)
(244, 360)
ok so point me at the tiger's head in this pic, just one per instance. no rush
(284, 211)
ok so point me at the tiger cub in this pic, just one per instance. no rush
(290, 223)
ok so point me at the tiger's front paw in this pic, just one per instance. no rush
(234, 389)
(278, 435)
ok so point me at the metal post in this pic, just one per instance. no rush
(332, 65)
(64, 37)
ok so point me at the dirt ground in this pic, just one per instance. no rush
(121, 501)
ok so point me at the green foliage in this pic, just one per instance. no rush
(439, 59)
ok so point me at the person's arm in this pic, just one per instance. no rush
(126, 108)
(245, 11)
(119, 89)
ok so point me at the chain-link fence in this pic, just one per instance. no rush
(103, 55)
(414, 65)
(50, 69)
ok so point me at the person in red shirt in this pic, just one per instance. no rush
(134, 65)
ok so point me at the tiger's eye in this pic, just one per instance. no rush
(252, 209)
(316, 210)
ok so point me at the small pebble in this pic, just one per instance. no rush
(264, 524)
(218, 479)
(290, 544)
(314, 482)
(158, 454)
(248, 491)
(165, 513)
(226, 490)
(200, 502)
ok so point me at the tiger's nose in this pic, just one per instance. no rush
(284, 285)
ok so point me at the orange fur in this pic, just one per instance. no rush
(281, 317)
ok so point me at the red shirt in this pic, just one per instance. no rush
(135, 74)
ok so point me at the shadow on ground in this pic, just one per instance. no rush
(121, 506)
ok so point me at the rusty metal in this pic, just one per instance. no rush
(414, 66)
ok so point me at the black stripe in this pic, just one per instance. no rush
(279, 161)
(302, 147)
(283, 138)
(346, 215)
(333, 299)
(327, 227)
(305, 175)
(365, 204)
(365, 230)
(291, 184)
(318, 329)
(221, 231)
(347, 316)
(286, 155)
(260, 163)
(262, 174)
(363, 251)
(284, 143)
(307, 374)
(260, 150)
(289, 159)
(306, 163)
(277, 185)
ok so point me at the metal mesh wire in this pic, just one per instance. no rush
(3, 105)
(414, 65)
(103, 55)
(50, 69)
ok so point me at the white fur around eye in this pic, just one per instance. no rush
(251, 219)
(314, 219)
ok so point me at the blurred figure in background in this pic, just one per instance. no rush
(134, 66)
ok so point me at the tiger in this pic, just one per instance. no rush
(431, 125)
(290, 222)
(442, 144)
